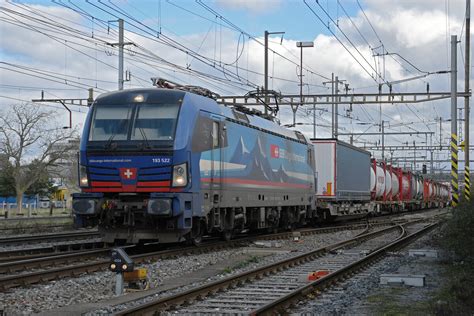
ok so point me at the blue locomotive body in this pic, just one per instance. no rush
(169, 165)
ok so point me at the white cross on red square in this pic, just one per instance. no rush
(128, 173)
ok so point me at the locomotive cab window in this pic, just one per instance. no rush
(110, 121)
(155, 122)
(145, 121)
(209, 134)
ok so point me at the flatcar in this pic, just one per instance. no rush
(351, 184)
(171, 165)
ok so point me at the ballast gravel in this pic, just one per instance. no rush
(99, 286)
(361, 294)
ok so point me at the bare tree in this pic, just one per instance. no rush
(30, 141)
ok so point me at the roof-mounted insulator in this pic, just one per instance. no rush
(167, 84)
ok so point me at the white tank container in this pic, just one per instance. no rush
(420, 188)
(372, 179)
(388, 182)
(379, 182)
(395, 184)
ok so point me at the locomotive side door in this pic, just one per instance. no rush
(216, 165)
(218, 135)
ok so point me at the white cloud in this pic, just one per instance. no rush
(251, 6)
(414, 29)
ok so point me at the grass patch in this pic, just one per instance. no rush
(33, 224)
(387, 304)
(242, 264)
(456, 297)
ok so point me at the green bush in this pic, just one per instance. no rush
(457, 239)
(458, 234)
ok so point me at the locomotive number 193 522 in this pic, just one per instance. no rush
(161, 160)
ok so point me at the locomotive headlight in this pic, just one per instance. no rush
(180, 175)
(83, 180)
(113, 266)
(138, 98)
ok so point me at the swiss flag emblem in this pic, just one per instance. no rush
(128, 173)
(275, 151)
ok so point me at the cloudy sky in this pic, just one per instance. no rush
(63, 48)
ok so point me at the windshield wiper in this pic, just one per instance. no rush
(109, 142)
(147, 144)
(111, 138)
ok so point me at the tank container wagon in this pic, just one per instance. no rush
(171, 165)
(406, 192)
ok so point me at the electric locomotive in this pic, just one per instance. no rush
(170, 165)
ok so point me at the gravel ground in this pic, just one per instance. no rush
(99, 286)
(288, 249)
(363, 295)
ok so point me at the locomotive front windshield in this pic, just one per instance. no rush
(110, 121)
(134, 122)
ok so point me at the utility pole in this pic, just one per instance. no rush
(414, 156)
(383, 140)
(314, 120)
(431, 161)
(454, 137)
(335, 103)
(440, 133)
(336, 113)
(467, 180)
(265, 84)
(120, 45)
(302, 45)
(332, 102)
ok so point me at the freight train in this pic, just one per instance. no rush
(172, 165)
(351, 184)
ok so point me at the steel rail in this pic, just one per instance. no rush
(88, 267)
(48, 251)
(285, 302)
(57, 259)
(199, 292)
(48, 237)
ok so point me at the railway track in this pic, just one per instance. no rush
(29, 247)
(48, 250)
(273, 288)
(53, 266)
(48, 237)
(27, 253)
(84, 262)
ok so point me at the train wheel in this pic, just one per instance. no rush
(227, 234)
(195, 236)
(196, 240)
